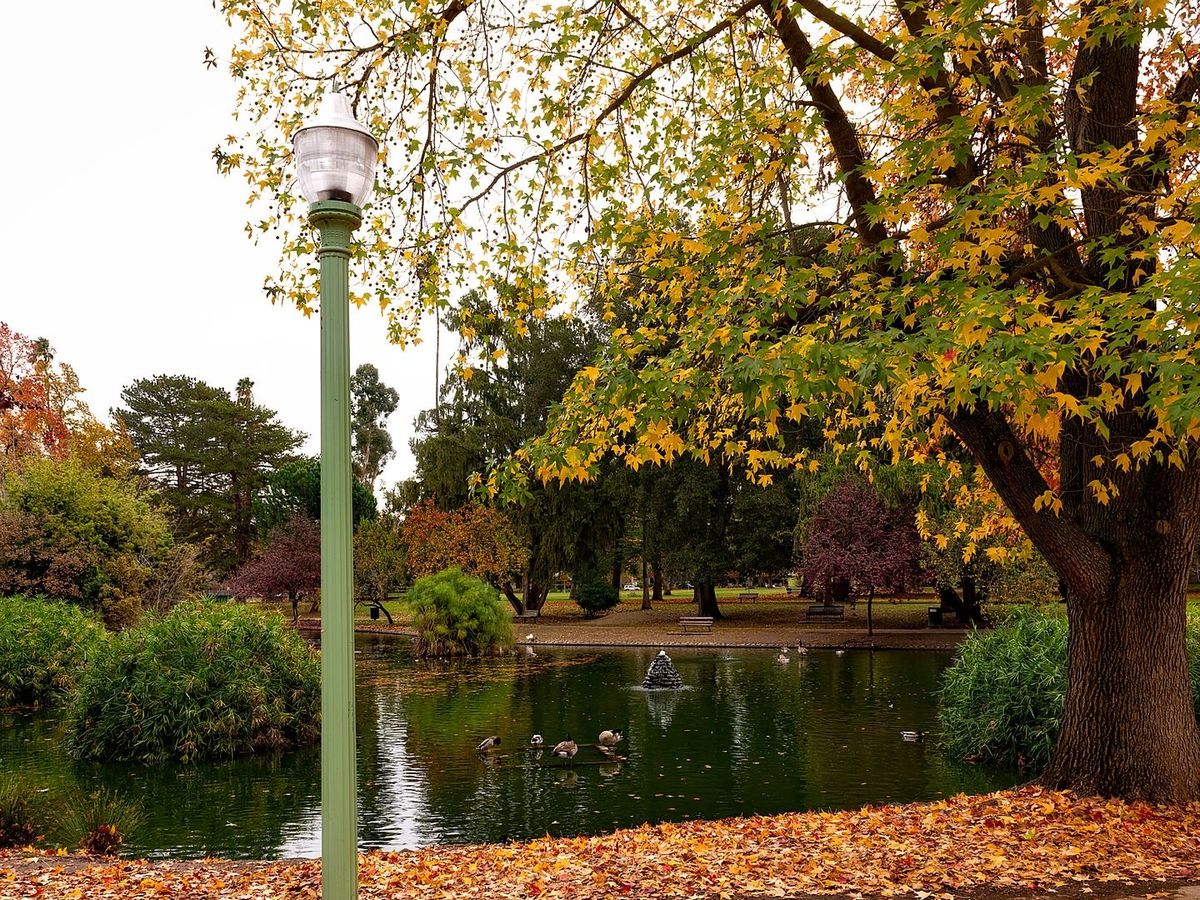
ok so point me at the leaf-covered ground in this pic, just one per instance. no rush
(1015, 842)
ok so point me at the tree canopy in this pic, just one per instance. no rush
(1010, 198)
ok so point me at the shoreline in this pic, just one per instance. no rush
(1039, 843)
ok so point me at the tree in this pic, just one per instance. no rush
(29, 423)
(378, 558)
(1011, 193)
(371, 402)
(209, 455)
(70, 533)
(289, 564)
(294, 488)
(855, 540)
(479, 540)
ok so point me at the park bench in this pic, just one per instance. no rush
(705, 622)
(752, 596)
(821, 611)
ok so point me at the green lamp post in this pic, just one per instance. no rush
(335, 160)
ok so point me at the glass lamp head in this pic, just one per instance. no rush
(335, 154)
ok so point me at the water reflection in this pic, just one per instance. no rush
(748, 736)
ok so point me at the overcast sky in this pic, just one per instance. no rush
(121, 243)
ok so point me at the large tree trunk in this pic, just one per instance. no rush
(705, 594)
(1129, 725)
(656, 568)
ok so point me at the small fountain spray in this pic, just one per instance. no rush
(662, 674)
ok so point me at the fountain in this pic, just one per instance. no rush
(662, 674)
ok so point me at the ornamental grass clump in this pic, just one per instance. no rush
(44, 645)
(1002, 699)
(17, 828)
(206, 680)
(457, 615)
(97, 822)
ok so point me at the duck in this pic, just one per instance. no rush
(566, 749)
(783, 655)
(530, 638)
(537, 740)
(488, 744)
(608, 740)
(913, 736)
(839, 653)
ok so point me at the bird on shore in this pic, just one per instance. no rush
(913, 736)
(566, 749)
(488, 744)
(530, 638)
(609, 739)
(537, 740)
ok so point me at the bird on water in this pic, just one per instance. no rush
(488, 744)
(566, 749)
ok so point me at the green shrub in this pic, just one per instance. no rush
(1002, 699)
(16, 820)
(594, 594)
(43, 646)
(457, 615)
(97, 822)
(204, 680)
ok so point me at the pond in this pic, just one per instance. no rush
(748, 735)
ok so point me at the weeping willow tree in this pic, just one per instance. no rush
(1009, 195)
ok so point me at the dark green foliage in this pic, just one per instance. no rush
(295, 489)
(43, 647)
(594, 593)
(1002, 699)
(205, 680)
(209, 453)
(97, 822)
(457, 615)
(17, 828)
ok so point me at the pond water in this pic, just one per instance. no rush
(748, 735)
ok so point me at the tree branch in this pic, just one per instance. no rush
(840, 130)
(1073, 554)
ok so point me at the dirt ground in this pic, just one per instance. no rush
(764, 624)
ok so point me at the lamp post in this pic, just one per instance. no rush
(335, 159)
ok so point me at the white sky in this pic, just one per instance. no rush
(121, 243)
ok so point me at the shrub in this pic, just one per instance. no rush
(16, 822)
(457, 615)
(43, 646)
(67, 532)
(204, 680)
(98, 821)
(594, 593)
(1002, 699)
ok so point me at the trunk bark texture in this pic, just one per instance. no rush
(1129, 724)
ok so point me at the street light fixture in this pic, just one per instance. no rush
(335, 161)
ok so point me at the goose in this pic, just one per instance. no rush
(913, 735)
(801, 650)
(783, 655)
(537, 740)
(566, 749)
(488, 744)
(609, 739)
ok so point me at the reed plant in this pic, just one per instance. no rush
(205, 680)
